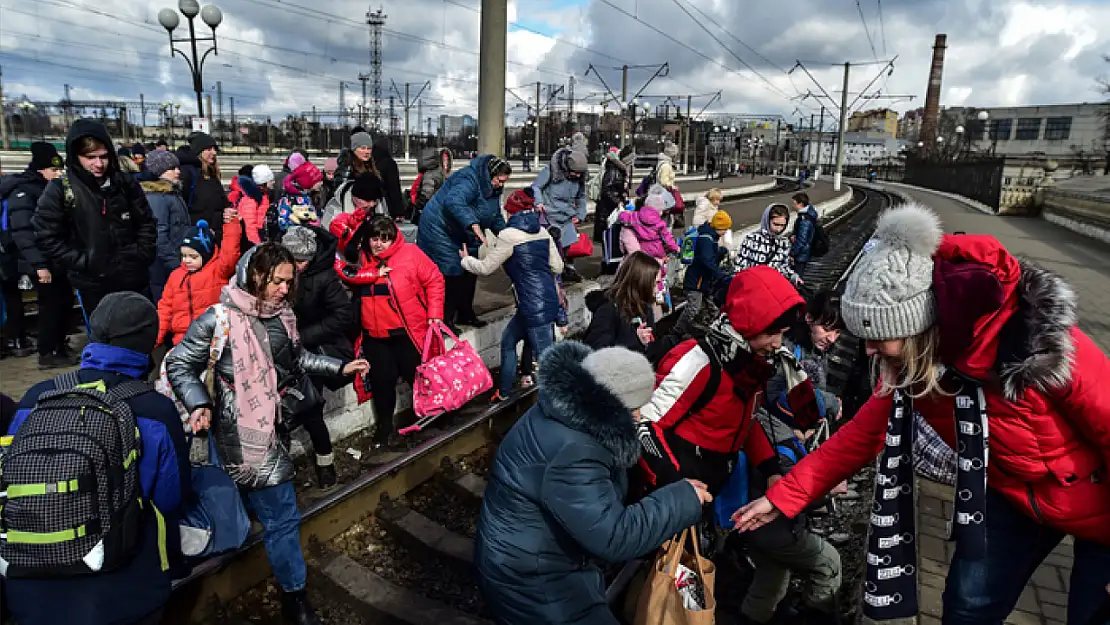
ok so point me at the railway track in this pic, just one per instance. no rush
(379, 503)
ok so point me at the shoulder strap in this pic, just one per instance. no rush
(66, 381)
(129, 389)
(708, 392)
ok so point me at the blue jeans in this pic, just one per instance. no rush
(276, 509)
(984, 592)
(539, 337)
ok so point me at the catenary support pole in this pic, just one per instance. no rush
(843, 127)
(536, 142)
(491, 76)
(624, 104)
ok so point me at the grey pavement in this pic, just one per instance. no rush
(1085, 264)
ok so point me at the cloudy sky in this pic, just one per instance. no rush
(286, 56)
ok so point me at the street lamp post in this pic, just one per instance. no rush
(983, 118)
(959, 139)
(212, 17)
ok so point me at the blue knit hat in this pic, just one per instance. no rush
(202, 240)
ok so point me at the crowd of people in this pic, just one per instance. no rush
(261, 295)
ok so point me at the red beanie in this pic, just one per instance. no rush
(520, 200)
(304, 177)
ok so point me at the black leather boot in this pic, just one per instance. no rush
(296, 609)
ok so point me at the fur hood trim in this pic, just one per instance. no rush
(158, 186)
(1037, 350)
(571, 396)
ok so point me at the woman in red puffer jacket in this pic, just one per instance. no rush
(400, 294)
(985, 347)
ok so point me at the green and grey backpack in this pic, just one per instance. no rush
(70, 498)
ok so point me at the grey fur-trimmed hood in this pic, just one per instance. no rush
(1035, 349)
(571, 396)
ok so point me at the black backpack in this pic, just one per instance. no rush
(819, 245)
(69, 482)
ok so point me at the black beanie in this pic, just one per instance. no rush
(126, 320)
(200, 142)
(44, 156)
(201, 239)
(367, 187)
(246, 170)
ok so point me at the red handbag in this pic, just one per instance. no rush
(582, 248)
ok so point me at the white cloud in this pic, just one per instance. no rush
(1002, 52)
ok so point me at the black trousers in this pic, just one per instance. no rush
(315, 425)
(16, 328)
(458, 304)
(391, 359)
(55, 312)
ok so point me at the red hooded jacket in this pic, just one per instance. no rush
(756, 298)
(416, 287)
(1012, 326)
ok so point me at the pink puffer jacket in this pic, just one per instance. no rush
(650, 230)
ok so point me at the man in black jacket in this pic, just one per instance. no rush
(325, 318)
(55, 295)
(94, 221)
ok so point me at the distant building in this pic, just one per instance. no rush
(909, 125)
(859, 149)
(1064, 132)
(456, 126)
(881, 123)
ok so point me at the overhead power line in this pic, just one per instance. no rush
(668, 37)
(867, 30)
(753, 70)
(882, 26)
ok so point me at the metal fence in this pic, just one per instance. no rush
(979, 179)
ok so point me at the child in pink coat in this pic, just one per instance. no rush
(645, 230)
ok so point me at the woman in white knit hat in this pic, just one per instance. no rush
(982, 345)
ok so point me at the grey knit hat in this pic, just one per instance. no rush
(627, 374)
(161, 161)
(361, 140)
(300, 241)
(576, 162)
(889, 294)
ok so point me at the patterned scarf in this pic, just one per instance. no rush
(890, 589)
(255, 379)
(732, 350)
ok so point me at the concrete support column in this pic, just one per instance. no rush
(491, 76)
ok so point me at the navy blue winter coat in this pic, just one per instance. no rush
(173, 226)
(466, 198)
(532, 261)
(705, 271)
(555, 502)
(128, 594)
(804, 228)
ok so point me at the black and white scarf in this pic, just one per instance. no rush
(890, 589)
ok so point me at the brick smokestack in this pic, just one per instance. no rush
(932, 95)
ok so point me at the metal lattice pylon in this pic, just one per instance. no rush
(376, 20)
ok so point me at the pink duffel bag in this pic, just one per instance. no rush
(447, 381)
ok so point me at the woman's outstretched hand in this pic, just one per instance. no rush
(356, 366)
(755, 515)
